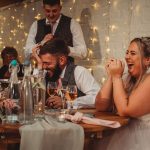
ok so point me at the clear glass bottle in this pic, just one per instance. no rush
(39, 91)
(14, 92)
(26, 102)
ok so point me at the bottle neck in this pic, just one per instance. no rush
(14, 77)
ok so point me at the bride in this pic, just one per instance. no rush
(131, 97)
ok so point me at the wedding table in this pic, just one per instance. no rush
(9, 133)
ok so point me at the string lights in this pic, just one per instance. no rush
(15, 23)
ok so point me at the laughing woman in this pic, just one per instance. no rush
(131, 97)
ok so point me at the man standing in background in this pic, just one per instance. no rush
(57, 25)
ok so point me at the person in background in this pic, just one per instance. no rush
(54, 58)
(131, 97)
(57, 25)
(8, 54)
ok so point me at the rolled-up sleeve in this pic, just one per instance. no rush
(88, 85)
(79, 49)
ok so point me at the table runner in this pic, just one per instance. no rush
(49, 134)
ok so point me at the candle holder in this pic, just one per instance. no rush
(61, 116)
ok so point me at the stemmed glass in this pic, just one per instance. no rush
(62, 93)
(52, 88)
(72, 94)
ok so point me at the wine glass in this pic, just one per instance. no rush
(52, 88)
(72, 94)
(62, 93)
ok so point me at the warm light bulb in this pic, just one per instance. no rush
(94, 29)
(107, 39)
(95, 5)
(107, 50)
(13, 17)
(94, 40)
(109, 2)
(78, 19)
(38, 16)
(90, 52)
(25, 34)
(113, 27)
(25, 5)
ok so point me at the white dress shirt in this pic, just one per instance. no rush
(86, 84)
(78, 50)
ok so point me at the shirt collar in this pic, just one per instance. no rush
(63, 72)
(57, 21)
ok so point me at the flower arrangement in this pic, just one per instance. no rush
(8, 106)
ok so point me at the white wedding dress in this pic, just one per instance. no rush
(134, 136)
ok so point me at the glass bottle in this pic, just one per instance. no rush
(26, 102)
(39, 90)
(14, 92)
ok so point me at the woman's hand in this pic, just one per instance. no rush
(116, 68)
(107, 66)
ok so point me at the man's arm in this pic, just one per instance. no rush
(79, 49)
(30, 43)
(88, 85)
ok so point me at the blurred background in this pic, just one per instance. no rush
(108, 26)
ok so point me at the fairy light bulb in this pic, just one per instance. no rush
(78, 19)
(107, 39)
(108, 50)
(38, 16)
(25, 5)
(113, 27)
(13, 17)
(95, 29)
(95, 5)
(94, 40)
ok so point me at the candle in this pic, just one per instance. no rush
(61, 118)
(40, 106)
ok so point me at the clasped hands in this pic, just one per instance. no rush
(54, 102)
(115, 68)
(57, 101)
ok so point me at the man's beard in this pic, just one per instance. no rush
(55, 74)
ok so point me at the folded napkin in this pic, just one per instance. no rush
(49, 134)
(94, 121)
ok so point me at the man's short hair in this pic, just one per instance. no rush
(56, 46)
(51, 2)
(10, 51)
